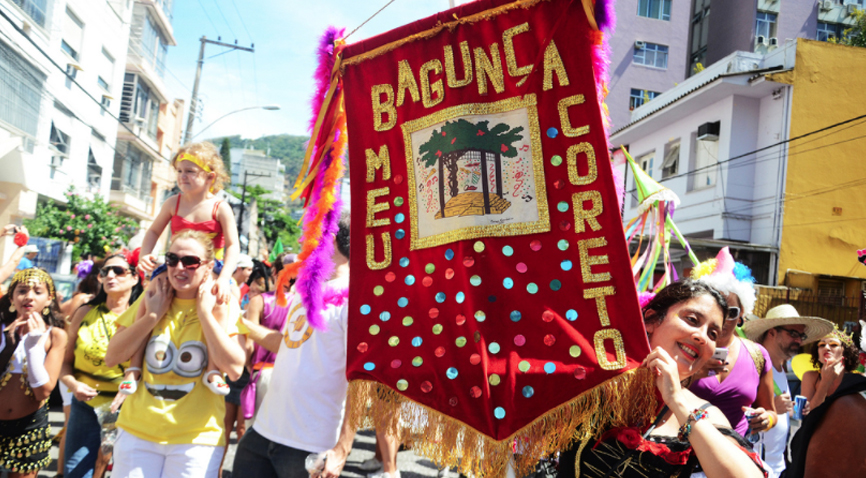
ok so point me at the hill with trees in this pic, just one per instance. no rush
(288, 148)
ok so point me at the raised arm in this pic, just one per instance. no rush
(147, 260)
(226, 218)
(7, 269)
(127, 340)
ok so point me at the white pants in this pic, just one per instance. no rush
(137, 458)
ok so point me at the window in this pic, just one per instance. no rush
(699, 34)
(73, 29)
(645, 162)
(106, 71)
(20, 91)
(826, 31)
(142, 92)
(59, 140)
(671, 163)
(94, 172)
(35, 9)
(639, 97)
(765, 25)
(705, 155)
(153, 46)
(658, 9)
(652, 55)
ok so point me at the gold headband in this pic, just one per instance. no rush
(33, 276)
(837, 334)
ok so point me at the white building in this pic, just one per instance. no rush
(53, 134)
(259, 169)
(724, 113)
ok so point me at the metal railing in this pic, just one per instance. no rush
(35, 9)
(835, 308)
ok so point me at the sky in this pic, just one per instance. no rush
(285, 34)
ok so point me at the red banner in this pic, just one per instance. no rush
(490, 280)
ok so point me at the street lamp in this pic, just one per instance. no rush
(266, 107)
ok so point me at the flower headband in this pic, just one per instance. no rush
(34, 276)
(194, 160)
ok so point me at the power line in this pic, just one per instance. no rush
(220, 10)
(217, 30)
(242, 21)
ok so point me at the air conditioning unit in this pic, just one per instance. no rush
(709, 131)
(639, 45)
(826, 5)
(851, 8)
(106, 101)
(761, 40)
(56, 161)
(774, 41)
(72, 70)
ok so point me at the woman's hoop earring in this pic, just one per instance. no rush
(12, 308)
(46, 311)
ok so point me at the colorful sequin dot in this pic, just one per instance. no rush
(528, 391)
(427, 281)
(451, 373)
(402, 302)
(494, 380)
(556, 160)
(417, 341)
(571, 315)
(449, 273)
(433, 312)
(555, 285)
(369, 366)
(519, 340)
(552, 132)
(468, 261)
(396, 363)
(547, 316)
(365, 309)
(523, 366)
(507, 283)
(398, 201)
(385, 316)
(515, 316)
(417, 361)
(479, 246)
(407, 321)
(549, 340)
(402, 385)
(460, 297)
(535, 245)
(426, 387)
(390, 277)
(475, 392)
(562, 206)
(532, 288)
(394, 341)
(440, 297)
(475, 359)
(460, 341)
(549, 367)
(399, 218)
(562, 245)
(475, 280)
(404, 261)
(574, 351)
(493, 348)
(499, 413)
(507, 251)
(410, 280)
(437, 329)
(374, 330)
(362, 347)
(480, 316)
(566, 265)
(400, 234)
(521, 267)
(460, 319)
(439, 352)
(430, 268)
(449, 254)
(580, 373)
(378, 290)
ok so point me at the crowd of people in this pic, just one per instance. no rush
(181, 351)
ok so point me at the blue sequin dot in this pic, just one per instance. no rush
(515, 316)
(449, 254)
(550, 367)
(440, 297)
(507, 283)
(499, 413)
(566, 265)
(410, 279)
(552, 132)
(365, 309)
(451, 373)
(400, 234)
(385, 316)
(460, 297)
(417, 341)
(399, 218)
(404, 261)
(402, 302)
(493, 348)
(571, 315)
(369, 366)
(528, 391)
(491, 298)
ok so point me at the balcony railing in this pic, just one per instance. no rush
(35, 9)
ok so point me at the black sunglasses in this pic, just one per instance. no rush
(189, 262)
(119, 271)
(733, 313)
(794, 334)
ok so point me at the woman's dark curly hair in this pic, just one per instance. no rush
(260, 271)
(681, 291)
(54, 317)
(850, 355)
(102, 296)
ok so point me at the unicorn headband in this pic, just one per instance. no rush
(729, 277)
(198, 162)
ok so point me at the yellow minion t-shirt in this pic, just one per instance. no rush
(172, 406)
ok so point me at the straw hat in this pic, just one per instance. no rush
(786, 314)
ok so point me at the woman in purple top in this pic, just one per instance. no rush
(744, 380)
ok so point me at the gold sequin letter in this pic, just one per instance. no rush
(382, 161)
(371, 252)
(586, 260)
(592, 169)
(383, 107)
(453, 82)
(601, 352)
(553, 63)
(427, 99)
(508, 46)
(373, 207)
(599, 293)
(577, 200)
(562, 106)
(489, 67)
(406, 81)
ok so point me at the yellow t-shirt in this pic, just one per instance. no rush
(172, 406)
(97, 328)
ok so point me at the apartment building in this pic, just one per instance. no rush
(256, 167)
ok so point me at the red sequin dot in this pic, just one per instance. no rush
(427, 281)
(580, 373)
(434, 312)
(390, 276)
(564, 226)
(549, 340)
(519, 340)
(558, 184)
(475, 392)
(449, 273)
(362, 347)
(426, 387)
(439, 352)
(535, 245)
(461, 319)
(547, 316)
(396, 363)
(521, 267)
(452, 401)
(475, 359)
(468, 261)
(398, 179)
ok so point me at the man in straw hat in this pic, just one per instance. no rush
(782, 332)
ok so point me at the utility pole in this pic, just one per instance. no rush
(193, 104)
(244, 199)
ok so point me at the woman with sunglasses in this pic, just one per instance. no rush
(84, 371)
(833, 357)
(173, 423)
(743, 382)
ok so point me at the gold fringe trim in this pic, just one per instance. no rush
(480, 16)
(627, 399)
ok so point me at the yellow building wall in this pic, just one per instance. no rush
(824, 219)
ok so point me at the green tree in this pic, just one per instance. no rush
(275, 219)
(226, 153)
(856, 35)
(90, 225)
